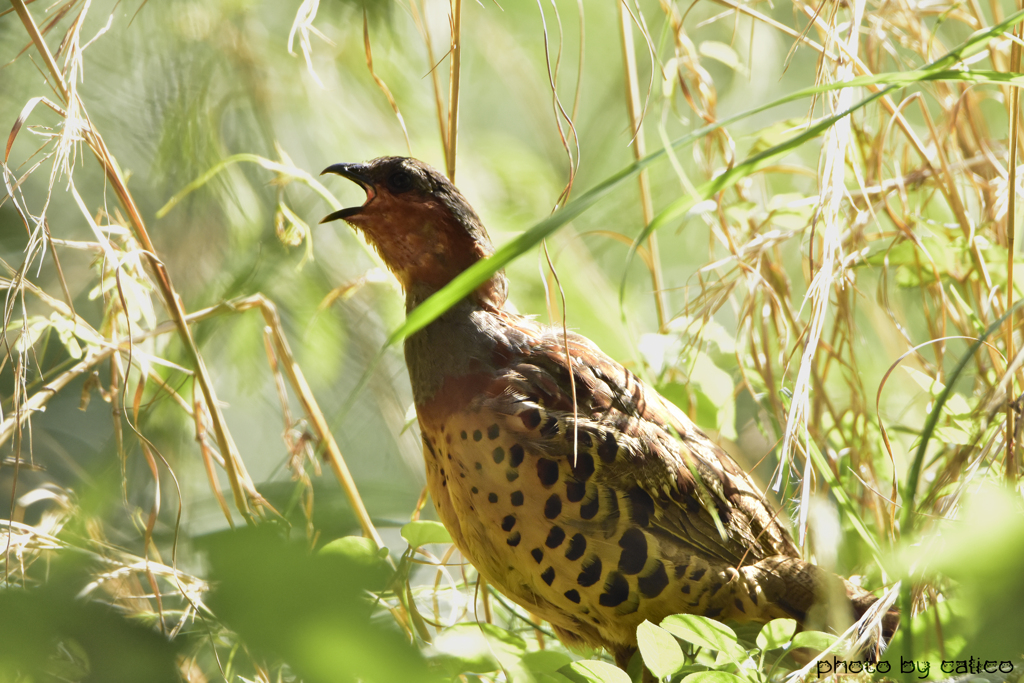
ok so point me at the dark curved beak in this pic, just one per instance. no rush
(357, 174)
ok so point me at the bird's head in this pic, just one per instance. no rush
(420, 224)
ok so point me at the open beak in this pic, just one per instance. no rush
(357, 174)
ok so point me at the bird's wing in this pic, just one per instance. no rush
(631, 439)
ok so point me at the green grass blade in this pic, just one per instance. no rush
(914, 475)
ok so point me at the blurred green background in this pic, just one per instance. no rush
(178, 88)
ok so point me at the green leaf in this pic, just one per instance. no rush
(706, 633)
(713, 677)
(34, 327)
(309, 611)
(958, 406)
(360, 552)
(918, 263)
(721, 52)
(816, 640)
(791, 211)
(953, 434)
(501, 640)
(660, 351)
(550, 677)
(929, 641)
(775, 134)
(922, 380)
(66, 333)
(422, 532)
(660, 650)
(356, 548)
(594, 671)
(776, 633)
(545, 661)
(717, 334)
(716, 408)
(741, 212)
(43, 624)
(476, 648)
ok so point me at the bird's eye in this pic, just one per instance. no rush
(400, 181)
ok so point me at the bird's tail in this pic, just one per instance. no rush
(862, 601)
(806, 592)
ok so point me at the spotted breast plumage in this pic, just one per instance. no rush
(570, 484)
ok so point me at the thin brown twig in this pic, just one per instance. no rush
(559, 110)
(635, 110)
(435, 77)
(381, 84)
(454, 81)
(332, 452)
(1011, 221)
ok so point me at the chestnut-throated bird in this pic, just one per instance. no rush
(593, 508)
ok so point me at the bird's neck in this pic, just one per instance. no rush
(451, 355)
(448, 357)
(491, 295)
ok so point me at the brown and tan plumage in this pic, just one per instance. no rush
(596, 516)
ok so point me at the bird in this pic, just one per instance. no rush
(569, 483)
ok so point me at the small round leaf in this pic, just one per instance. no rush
(660, 650)
(816, 640)
(422, 532)
(713, 677)
(776, 633)
(706, 633)
(593, 671)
